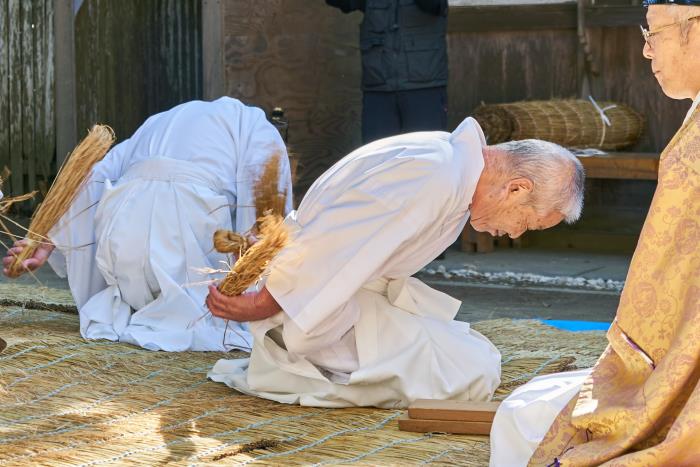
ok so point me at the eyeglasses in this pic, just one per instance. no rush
(649, 34)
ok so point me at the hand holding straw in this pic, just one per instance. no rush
(70, 178)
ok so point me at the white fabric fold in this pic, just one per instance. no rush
(524, 417)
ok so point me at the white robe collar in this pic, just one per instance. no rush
(696, 102)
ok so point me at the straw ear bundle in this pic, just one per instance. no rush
(71, 176)
(271, 232)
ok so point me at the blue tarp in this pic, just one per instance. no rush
(577, 325)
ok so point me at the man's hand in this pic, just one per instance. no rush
(251, 306)
(41, 254)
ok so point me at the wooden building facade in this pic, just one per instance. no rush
(117, 62)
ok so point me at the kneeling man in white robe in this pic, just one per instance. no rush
(137, 240)
(340, 321)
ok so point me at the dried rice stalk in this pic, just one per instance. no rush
(70, 177)
(6, 203)
(251, 265)
(268, 199)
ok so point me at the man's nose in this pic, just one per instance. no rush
(647, 51)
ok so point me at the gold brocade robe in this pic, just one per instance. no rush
(641, 404)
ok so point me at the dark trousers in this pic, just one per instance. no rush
(392, 113)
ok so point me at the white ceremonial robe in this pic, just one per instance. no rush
(135, 240)
(356, 328)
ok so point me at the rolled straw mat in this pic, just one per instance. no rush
(67, 401)
(570, 123)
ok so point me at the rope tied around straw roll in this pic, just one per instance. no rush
(570, 123)
(71, 176)
(271, 233)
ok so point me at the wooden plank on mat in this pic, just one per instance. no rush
(444, 426)
(466, 411)
(4, 86)
(15, 60)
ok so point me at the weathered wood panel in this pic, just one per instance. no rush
(66, 133)
(26, 92)
(135, 58)
(4, 86)
(495, 67)
(625, 76)
(303, 56)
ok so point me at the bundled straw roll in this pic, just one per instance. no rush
(65, 187)
(570, 123)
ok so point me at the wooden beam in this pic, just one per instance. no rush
(64, 27)
(615, 15)
(622, 165)
(212, 49)
(483, 18)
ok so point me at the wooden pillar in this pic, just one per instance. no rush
(64, 27)
(212, 49)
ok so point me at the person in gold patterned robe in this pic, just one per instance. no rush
(640, 404)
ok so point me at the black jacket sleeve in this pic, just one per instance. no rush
(348, 5)
(433, 7)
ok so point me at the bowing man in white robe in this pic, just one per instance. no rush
(340, 321)
(137, 240)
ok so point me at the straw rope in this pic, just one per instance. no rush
(65, 187)
(65, 401)
(570, 123)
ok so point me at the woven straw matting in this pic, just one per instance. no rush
(66, 401)
(570, 123)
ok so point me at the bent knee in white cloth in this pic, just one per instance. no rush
(524, 417)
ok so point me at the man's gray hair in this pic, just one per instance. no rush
(557, 175)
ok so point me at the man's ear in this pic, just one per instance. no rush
(520, 187)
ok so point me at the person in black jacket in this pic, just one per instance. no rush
(404, 65)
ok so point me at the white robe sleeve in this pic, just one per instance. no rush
(262, 141)
(74, 234)
(344, 245)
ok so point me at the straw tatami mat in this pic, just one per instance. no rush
(66, 401)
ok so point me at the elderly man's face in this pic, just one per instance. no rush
(506, 211)
(675, 63)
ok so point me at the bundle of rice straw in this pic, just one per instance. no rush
(71, 176)
(273, 236)
(270, 230)
(570, 123)
(268, 198)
